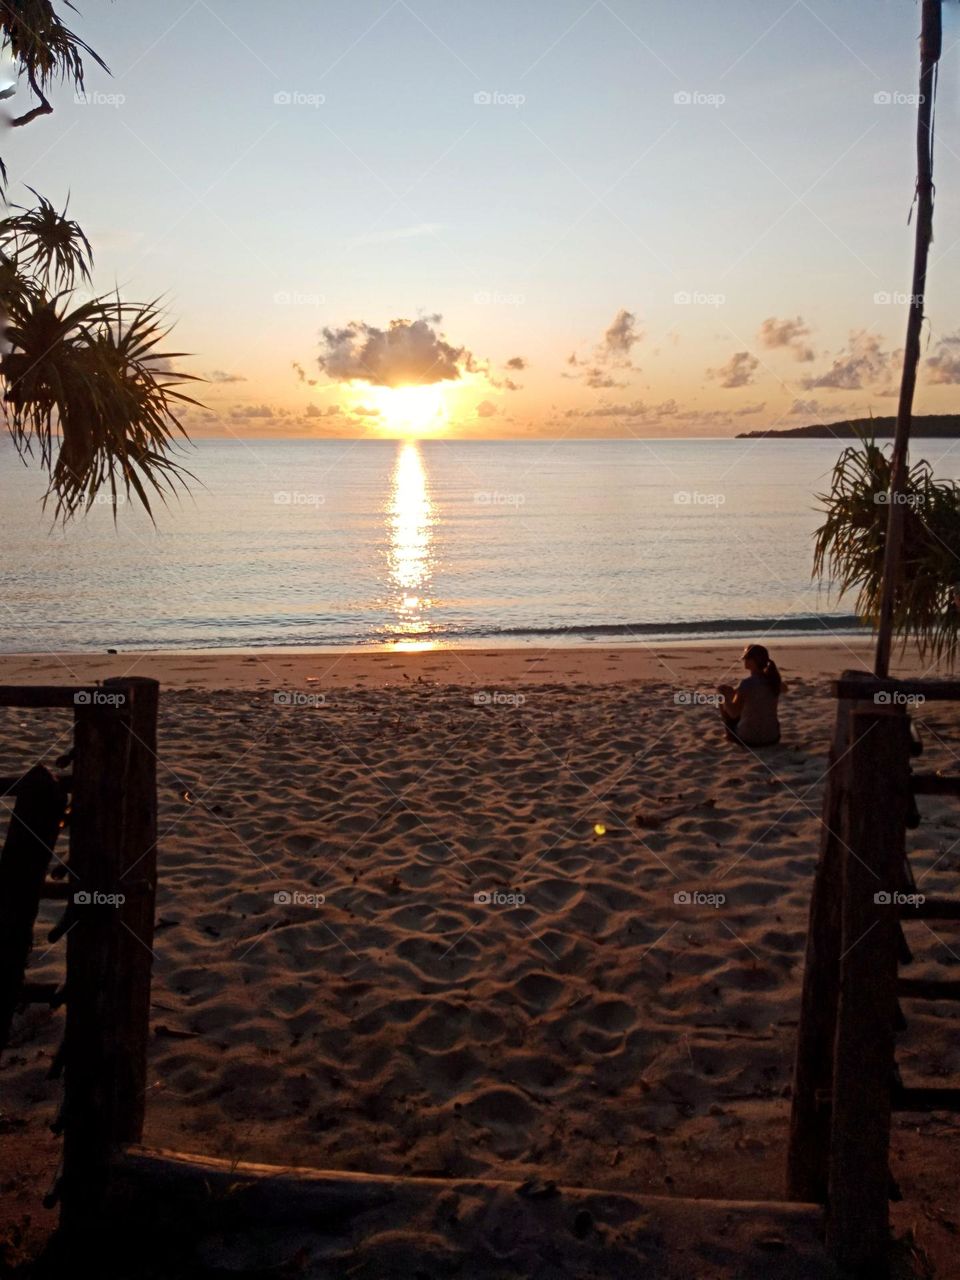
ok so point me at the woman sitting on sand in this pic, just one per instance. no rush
(750, 711)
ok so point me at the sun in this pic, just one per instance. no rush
(409, 411)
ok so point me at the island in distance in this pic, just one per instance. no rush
(936, 425)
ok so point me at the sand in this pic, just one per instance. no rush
(583, 1023)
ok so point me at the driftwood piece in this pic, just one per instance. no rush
(194, 1212)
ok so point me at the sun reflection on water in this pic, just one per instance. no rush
(410, 521)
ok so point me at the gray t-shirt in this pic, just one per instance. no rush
(758, 724)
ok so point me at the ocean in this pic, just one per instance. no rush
(376, 542)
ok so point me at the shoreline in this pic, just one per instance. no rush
(684, 665)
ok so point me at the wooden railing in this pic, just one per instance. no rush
(110, 892)
(845, 1079)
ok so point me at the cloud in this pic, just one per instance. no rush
(407, 353)
(600, 379)
(242, 412)
(776, 333)
(737, 372)
(302, 374)
(314, 411)
(218, 375)
(748, 409)
(863, 362)
(635, 410)
(518, 363)
(804, 408)
(486, 409)
(365, 411)
(621, 334)
(944, 367)
(612, 352)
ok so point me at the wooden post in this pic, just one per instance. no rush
(863, 1067)
(34, 825)
(110, 938)
(931, 40)
(809, 1142)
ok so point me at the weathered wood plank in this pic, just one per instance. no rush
(109, 940)
(807, 1155)
(850, 685)
(863, 1073)
(31, 836)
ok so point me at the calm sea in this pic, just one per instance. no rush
(329, 543)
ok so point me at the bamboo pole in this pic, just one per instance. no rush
(931, 40)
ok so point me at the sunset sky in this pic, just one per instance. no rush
(551, 218)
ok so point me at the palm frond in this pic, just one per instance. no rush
(90, 387)
(849, 546)
(46, 243)
(47, 50)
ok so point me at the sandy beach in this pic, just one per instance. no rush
(510, 915)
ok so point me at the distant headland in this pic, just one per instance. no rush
(936, 425)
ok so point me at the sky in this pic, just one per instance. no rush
(490, 219)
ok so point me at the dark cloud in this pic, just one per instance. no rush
(788, 333)
(486, 409)
(737, 372)
(219, 375)
(407, 353)
(611, 353)
(860, 364)
(622, 334)
(518, 363)
(314, 411)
